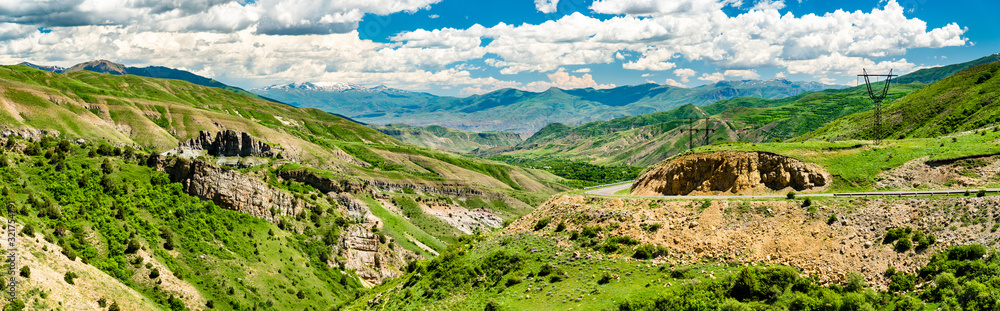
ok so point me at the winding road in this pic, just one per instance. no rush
(610, 191)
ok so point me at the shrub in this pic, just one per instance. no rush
(28, 230)
(651, 227)
(649, 251)
(832, 219)
(154, 274)
(542, 223)
(981, 193)
(605, 278)
(855, 282)
(25, 272)
(590, 232)
(903, 245)
(967, 193)
(807, 202)
(133, 246)
(546, 269)
(69, 277)
(790, 196)
(561, 226)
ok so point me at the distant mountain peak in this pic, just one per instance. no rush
(55, 69)
(101, 65)
(332, 87)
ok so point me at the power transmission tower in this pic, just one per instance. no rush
(691, 131)
(877, 96)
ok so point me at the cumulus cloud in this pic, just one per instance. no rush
(764, 5)
(280, 17)
(582, 70)
(684, 74)
(274, 41)
(547, 6)
(564, 80)
(714, 77)
(672, 82)
(744, 74)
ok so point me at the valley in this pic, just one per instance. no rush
(149, 193)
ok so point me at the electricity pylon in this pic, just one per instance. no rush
(877, 96)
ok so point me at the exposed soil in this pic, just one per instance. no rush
(781, 232)
(731, 172)
(918, 173)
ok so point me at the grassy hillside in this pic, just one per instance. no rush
(965, 101)
(579, 253)
(647, 139)
(98, 201)
(177, 251)
(931, 75)
(451, 140)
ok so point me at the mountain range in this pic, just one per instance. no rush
(512, 110)
(956, 103)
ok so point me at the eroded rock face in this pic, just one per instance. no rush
(228, 143)
(228, 188)
(370, 259)
(730, 172)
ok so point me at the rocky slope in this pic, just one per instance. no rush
(228, 143)
(779, 231)
(730, 172)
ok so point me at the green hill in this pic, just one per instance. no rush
(647, 139)
(931, 75)
(962, 102)
(451, 140)
(88, 164)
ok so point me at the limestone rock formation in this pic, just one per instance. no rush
(228, 188)
(228, 143)
(371, 260)
(730, 172)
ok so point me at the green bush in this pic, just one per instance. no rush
(561, 226)
(605, 278)
(832, 219)
(69, 276)
(903, 245)
(981, 193)
(25, 272)
(542, 223)
(790, 196)
(649, 251)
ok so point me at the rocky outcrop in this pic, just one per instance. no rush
(730, 172)
(228, 188)
(371, 260)
(228, 143)
(327, 184)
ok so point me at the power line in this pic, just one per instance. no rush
(877, 96)
(691, 131)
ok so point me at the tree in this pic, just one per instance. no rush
(16, 305)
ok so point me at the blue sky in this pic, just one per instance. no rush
(452, 47)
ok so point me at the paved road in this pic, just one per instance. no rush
(610, 191)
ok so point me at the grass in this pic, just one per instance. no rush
(855, 165)
(398, 227)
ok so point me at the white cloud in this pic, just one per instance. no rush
(647, 75)
(582, 70)
(547, 6)
(434, 16)
(273, 41)
(672, 82)
(282, 17)
(564, 80)
(764, 5)
(684, 74)
(744, 74)
(714, 77)
(780, 75)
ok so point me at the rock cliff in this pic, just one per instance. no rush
(228, 188)
(730, 172)
(228, 143)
